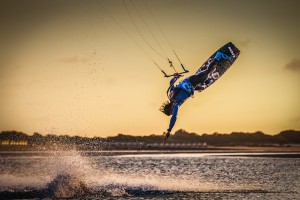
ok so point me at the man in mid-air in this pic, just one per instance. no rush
(180, 93)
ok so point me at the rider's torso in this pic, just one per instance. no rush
(186, 86)
(182, 91)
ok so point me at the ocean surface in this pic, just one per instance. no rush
(149, 175)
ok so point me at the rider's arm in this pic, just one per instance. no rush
(173, 80)
(174, 117)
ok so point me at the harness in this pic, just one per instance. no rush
(187, 86)
(183, 85)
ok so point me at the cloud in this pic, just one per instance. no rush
(294, 65)
(244, 43)
(72, 60)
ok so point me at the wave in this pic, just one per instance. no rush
(68, 186)
(73, 176)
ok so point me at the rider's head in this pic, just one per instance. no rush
(167, 108)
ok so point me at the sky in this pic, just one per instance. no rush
(82, 67)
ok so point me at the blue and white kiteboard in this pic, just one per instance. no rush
(222, 65)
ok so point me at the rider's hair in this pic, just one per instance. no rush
(167, 108)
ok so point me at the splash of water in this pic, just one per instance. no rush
(73, 175)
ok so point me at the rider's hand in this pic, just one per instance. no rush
(176, 74)
(167, 135)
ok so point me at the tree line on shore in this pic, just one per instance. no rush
(286, 137)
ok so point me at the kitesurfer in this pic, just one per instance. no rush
(180, 93)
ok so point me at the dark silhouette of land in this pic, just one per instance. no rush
(13, 140)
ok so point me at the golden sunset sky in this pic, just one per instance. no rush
(73, 67)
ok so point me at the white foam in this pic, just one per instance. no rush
(82, 173)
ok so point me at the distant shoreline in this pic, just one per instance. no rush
(209, 150)
(288, 140)
(153, 149)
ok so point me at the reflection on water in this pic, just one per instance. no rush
(149, 175)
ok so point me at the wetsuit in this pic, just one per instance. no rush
(185, 89)
(178, 95)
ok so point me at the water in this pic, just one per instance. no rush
(151, 175)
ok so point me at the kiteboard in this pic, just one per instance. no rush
(223, 58)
